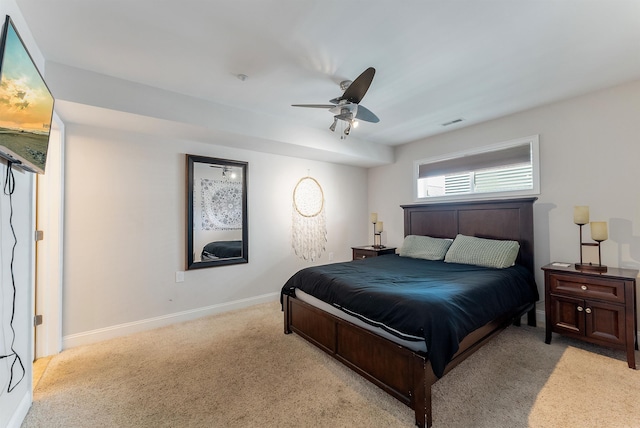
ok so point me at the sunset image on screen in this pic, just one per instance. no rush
(26, 105)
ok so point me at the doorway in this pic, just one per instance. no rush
(47, 293)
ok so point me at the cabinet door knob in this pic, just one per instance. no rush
(580, 308)
(584, 287)
(588, 310)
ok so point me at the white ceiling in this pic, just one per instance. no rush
(436, 61)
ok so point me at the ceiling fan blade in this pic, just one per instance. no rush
(356, 91)
(367, 115)
(314, 105)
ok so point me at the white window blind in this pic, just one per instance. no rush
(504, 179)
(520, 154)
(506, 168)
(457, 183)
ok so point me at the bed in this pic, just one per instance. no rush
(407, 363)
(222, 250)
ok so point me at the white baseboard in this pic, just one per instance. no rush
(22, 410)
(119, 330)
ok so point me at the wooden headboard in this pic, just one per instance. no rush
(494, 219)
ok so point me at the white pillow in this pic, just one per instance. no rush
(424, 247)
(482, 252)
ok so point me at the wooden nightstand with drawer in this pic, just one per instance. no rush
(360, 253)
(597, 307)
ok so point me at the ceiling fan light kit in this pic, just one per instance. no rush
(345, 84)
(347, 107)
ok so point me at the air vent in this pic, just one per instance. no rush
(452, 122)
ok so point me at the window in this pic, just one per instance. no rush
(504, 169)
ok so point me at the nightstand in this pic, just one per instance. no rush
(596, 307)
(360, 253)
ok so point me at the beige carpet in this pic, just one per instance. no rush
(239, 370)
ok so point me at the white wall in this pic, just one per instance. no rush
(14, 402)
(14, 405)
(125, 231)
(589, 155)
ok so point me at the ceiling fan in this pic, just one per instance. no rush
(347, 106)
(227, 171)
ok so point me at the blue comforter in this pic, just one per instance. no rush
(222, 249)
(437, 301)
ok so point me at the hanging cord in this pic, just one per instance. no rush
(9, 187)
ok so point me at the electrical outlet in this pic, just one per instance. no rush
(331, 256)
(179, 276)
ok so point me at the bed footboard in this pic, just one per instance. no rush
(402, 373)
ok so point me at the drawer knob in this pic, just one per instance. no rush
(580, 308)
(584, 287)
(588, 310)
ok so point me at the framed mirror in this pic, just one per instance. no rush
(217, 232)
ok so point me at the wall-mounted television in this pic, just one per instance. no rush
(26, 105)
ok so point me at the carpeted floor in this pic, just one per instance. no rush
(239, 370)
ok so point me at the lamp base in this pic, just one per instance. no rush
(377, 240)
(591, 267)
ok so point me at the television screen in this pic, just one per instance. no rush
(26, 105)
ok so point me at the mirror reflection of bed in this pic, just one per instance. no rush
(221, 250)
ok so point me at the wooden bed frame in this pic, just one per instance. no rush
(405, 374)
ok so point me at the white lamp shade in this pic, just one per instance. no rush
(379, 227)
(581, 214)
(599, 231)
(373, 217)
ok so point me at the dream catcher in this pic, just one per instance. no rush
(309, 223)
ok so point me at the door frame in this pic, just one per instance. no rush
(50, 250)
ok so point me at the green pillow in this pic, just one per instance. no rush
(482, 252)
(424, 247)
